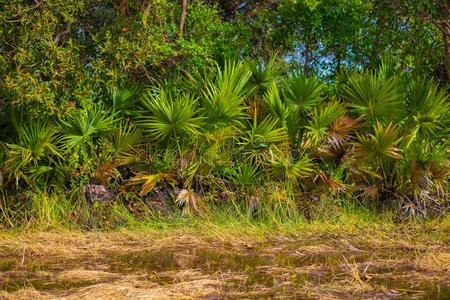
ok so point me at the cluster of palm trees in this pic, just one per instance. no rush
(249, 133)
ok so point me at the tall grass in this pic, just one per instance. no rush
(43, 211)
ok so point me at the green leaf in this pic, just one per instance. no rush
(166, 118)
(380, 145)
(374, 96)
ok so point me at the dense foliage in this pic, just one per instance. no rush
(114, 93)
(248, 133)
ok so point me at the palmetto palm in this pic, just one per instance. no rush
(223, 95)
(187, 200)
(304, 92)
(36, 152)
(169, 119)
(378, 153)
(123, 99)
(149, 181)
(380, 145)
(259, 140)
(263, 75)
(260, 134)
(428, 109)
(246, 175)
(86, 124)
(375, 162)
(427, 170)
(286, 169)
(339, 135)
(125, 137)
(321, 118)
(374, 95)
(207, 153)
(278, 108)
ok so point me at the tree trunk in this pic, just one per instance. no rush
(123, 7)
(445, 28)
(182, 18)
(446, 36)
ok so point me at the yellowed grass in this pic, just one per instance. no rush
(292, 263)
(437, 262)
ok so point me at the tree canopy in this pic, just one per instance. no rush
(57, 54)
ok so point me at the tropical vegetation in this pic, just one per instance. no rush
(120, 104)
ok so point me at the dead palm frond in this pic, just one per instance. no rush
(187, 200)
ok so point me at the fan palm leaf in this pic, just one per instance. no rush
(374, 96)
(149, 181)
(428, 109)
(37, 141)
(123, 99)
(263, 75)
(245, 174)
(36, 152)
(126, 137)
(87, 123)
(166, 118)
(380, 145)
(224, 95)
(322, 118)
(261, 134)
(286, 169)
(304, 92)
(187, 200)
(259, 141)
(275, 106)
(340, 133)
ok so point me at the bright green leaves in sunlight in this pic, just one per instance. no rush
(382, 144)
(86, 124)
(169, 118)
(374, 96)
(223, 94)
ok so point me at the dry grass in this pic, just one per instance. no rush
(184, 264)
(434, 262)
(128, 288)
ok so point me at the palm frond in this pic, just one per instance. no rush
(263, 75)
(126, 137)
(166, 118)
(322, 118)
(37, 140)
(343, 128)
(86, 124)
(224, 95)
(123, 99)
(187, 200)
(275, 106)
(285, 169)
(428, 169)
(245, 174)
(36, 153)
(260, 134)
(380, 145)
(428, 109)
(374, 96)
(304, 92)
(149, 181)
(340, 133)
(322, 178)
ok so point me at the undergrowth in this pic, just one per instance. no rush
(53, 213)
